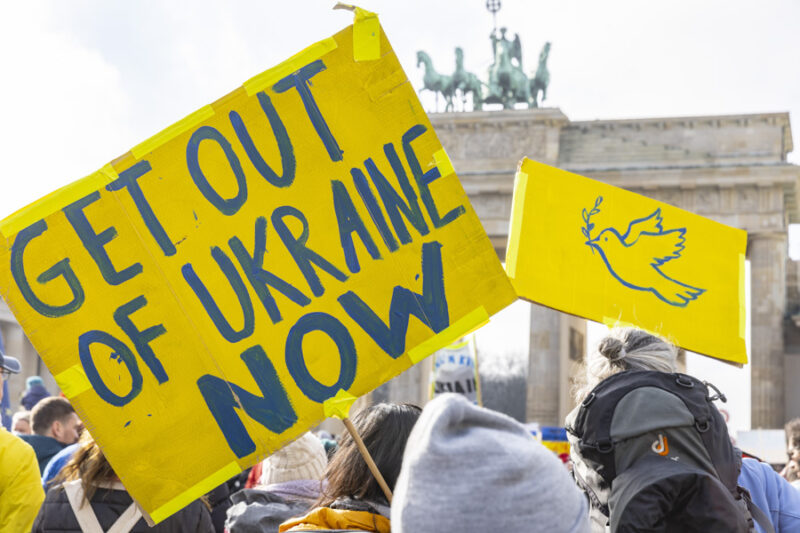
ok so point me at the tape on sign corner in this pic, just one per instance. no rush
(443, 163)
(464, 326)
(58, 199)
(617, 323)
(188, 496)
(515, 223)
(73, 381)
(366, 36)
(742, 309)
(457, 345)
(269, 77)
(339, 406)
(173, 131)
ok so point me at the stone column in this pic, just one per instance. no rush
(544, 370)
(767, 254)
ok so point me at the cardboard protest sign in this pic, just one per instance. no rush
(201, 297)
(455, 369)
(600, 252)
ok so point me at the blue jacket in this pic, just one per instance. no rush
(772, 494)
(56, 463)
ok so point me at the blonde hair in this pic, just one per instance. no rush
(626, 349)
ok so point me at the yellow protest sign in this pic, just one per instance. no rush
(201, 297)
(601, 252)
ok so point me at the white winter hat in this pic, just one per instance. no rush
(305, 458)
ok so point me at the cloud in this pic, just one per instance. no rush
(64, 109)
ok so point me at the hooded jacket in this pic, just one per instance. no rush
(260, 511)
(344, 513)
(45, 447)
(34, 395)
(21, 491)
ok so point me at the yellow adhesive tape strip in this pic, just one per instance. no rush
(515, 223)
(185, 498)
(73, 381)
(56, 200)
(386, 85)
(366, 36)
(339, 406)
(457, 345)
(617, 323)
(443, 163)
(463, 326)
(173, 131)
(742, 309)
(294, 63)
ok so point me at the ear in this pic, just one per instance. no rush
(56, 429)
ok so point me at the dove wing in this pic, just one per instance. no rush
(662, 246)
(651, 224)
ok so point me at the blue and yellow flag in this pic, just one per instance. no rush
(603, 253)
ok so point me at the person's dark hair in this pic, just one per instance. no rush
(48, 411)
(384, 428)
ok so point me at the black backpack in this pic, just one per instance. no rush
(653, 454)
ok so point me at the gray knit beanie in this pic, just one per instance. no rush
(469, 469)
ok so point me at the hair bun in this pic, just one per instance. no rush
(612, 349)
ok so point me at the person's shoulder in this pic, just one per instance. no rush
(15, 444)
(754, 471)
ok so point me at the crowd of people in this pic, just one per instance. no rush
(648, 452)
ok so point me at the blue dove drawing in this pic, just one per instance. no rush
(636, 256)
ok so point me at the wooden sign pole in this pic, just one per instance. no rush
(368, 458)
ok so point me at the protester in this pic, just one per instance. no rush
(20, 486)
(289, 484)
(57, 463)
(55, 426)
(353, 499)
(792, 429)
(219, 501)
(470, 469)
(771, 493)
(631, 349)
(328, 442)
(88, 496)
(34, 392)
(21, 423)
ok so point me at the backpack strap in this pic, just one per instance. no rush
(81, 507)
(128, 519)
(758, 515)
(87, 520)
